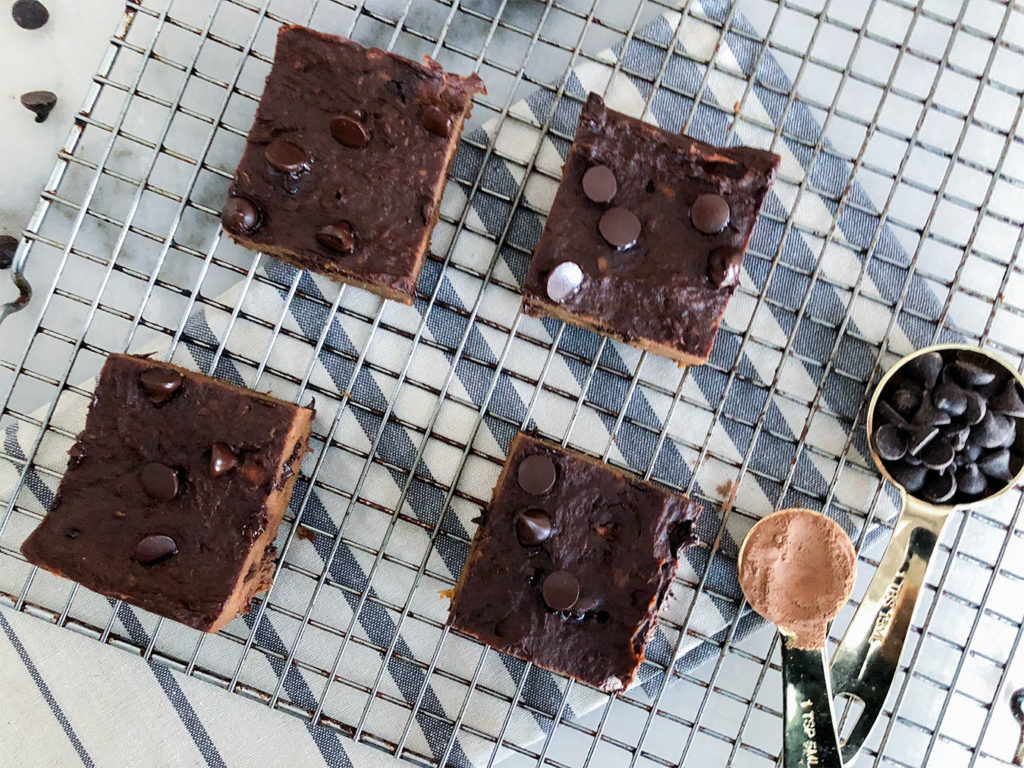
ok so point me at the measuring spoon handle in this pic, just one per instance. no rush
(809, 735)
(865, 663)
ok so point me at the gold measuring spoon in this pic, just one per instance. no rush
(796, 568)
(865, 663)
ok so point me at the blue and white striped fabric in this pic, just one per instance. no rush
(771, 387)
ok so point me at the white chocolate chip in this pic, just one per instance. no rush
(564, 281)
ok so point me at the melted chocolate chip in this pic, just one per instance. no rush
(338, 237)
(349, 131)
(160, 383)
(159, 481)
(536, 474)
(155, 549)
(40, 103)
(286, 157)
(724, 266)
(599, 184)
(8, 247)
(29, 14)
(222, 459)
(240, 215)
(561, 590)
(620, 227)
(76, 453)
(710, 214)
(437, 120)
(533, 527)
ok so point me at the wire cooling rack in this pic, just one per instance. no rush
(918, 107)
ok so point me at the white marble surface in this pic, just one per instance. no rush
(59, 57)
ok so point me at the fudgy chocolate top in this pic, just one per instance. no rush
(572, 564)
(166, 489)
(658, 231)
(346, 156)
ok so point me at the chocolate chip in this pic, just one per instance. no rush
(561, 590)
(971, 375)
(339, 237)
(886, 414)
(925, 368)
(937, 455)
(564, 281)
(599, 184)
(437, 120)
(286, 157)
(39, 102)
(929, 415)
(71, 533)
(709, 213)
(1008, 402)
(724, 266)
(997, 465)
(919, 436)
(950, 398)
(349, 131)
(30, 14)
(912, 460)
(536, 474)
(957, 437)
(533, 527)
(908, 476)
(77, 454)
(975, 409)
(222, 459)
(620, 227)
(160, 383)
(155, 549)
(939, 487)
(890, 442)
(971, 453)
(427, 211)
(240, 215)
(159, 481)
(970, 480)
(992, 431)
(906, 401)
(8, 246)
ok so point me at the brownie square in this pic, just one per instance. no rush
(646, 236)
(572, 564)
(346, 161)
(174, 492)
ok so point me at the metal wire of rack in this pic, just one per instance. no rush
(126, 237)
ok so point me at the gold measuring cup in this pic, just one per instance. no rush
(865, 663)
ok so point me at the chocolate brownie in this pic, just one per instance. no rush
(646, 235)
(572, 564)
(174, 492)
(346, 161)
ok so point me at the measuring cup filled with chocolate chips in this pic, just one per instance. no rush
(946, 426)
(796, 568)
